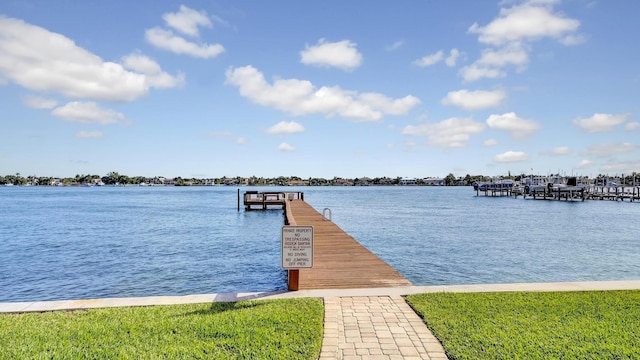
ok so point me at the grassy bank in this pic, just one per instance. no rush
(520, 325)
(535, 325)
(280, 329)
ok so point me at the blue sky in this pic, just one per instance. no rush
(319, 89)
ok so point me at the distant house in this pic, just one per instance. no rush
(230, 181)
(434, 181)
(408, 182)
(384, 181)
(342, 182)
(365, 181)
(157, 181)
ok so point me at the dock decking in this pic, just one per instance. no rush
(339, 262)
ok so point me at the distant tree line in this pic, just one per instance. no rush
(115, 178)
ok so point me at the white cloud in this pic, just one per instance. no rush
(571, 40)
(511, 156)
(387, 105)
(88, 113)
(241, 141)
(584, 164)
(429, 60)
(286, 147)
(626, 167)
(435, 58)
(154, 75)
(37, 102)
(90, 135)
(514, 54)
(631, 126)
(167, 40)
(528, 21)
(450, 133)
(474, 72)
(512, 31)
(492, 61)
(490, 142)
(40, 60)
(474, 100)
(300, 97)
(510, 122)
(284, 128)
(342, 54)
(600, 122)
(560, 150)
(141, 64)
(452, 59)
(610, 149)
(187, 20)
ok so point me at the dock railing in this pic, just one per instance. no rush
(257, 200)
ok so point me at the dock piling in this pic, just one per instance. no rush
(294, 280)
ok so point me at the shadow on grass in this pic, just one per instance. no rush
(222, 307)
(227, 297)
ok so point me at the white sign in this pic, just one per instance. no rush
(297, 247)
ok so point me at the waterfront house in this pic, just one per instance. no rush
(408, 182)
(365, 181)
(342, 182)
(434, 181)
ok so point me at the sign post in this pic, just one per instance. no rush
(297, 251)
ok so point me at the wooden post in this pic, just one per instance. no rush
(238, 200)
(294, 277)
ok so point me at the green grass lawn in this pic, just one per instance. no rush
(534, 325)
(519, 325)
(278, 329)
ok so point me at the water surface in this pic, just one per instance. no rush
(73, 243)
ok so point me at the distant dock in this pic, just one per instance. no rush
(621, 193)
(255, 200)
(615, 193)
(558, 188)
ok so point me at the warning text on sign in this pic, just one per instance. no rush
(297, 247)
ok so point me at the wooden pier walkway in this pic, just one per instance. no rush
(339, 261)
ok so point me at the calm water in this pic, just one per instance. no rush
(72, 243)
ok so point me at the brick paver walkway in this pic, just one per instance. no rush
(375, 327)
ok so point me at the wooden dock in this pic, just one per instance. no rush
(615, 193)
(254, 200)
(339, 261)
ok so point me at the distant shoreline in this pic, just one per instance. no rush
(116, 179)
